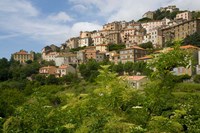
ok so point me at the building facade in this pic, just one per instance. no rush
(131, 54)
(64, 70)
(50, 56)
(112, 26)
(22, 56)
(180, 31)
(184, 15)
(48, 70)
(148, 14)
(85, 39)
(72, 42)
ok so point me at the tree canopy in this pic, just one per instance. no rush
(193, 39)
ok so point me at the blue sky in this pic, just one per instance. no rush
(33, 24)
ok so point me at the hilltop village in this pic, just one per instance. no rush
(129, 77)
(122, 42)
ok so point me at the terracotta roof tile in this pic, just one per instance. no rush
(134, 47)
(181, 47)
(136, 78)
(189, 47)
(22, 52)
(102, 45)
(63, 67)
(145, 57)
(47, 67)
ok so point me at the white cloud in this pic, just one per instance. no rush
(21, 17)
(128, 10)
(186, 4)
(60, 17)
(8, 36)
(49, 29)
(21, 7)
(80, 8)
(83, 26)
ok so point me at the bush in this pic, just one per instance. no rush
(197, 78)
(181, 78)
(187, 87)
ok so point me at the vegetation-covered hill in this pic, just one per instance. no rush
(108, 104)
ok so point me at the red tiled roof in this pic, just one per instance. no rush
(90, 47)
(181, 47)
(47, 67)
(63, 67)
(52, 53)
(115, 55)
(136, 78)
(22, 52)
(102, 45)
(189, 47)
(134, 47)
(98, 37)
(145, 57)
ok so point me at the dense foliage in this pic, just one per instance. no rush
(116, 47)
(147, 45)
(108, 104)
(193, 39)
(144, 20)
(165, 14)
(195, 14)
(77, 49)
(89, 70)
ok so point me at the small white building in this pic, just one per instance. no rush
(50, 56)
(184, 15)
(136, 81)
(68, 58)
(64, 70)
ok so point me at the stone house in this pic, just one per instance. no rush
(131, 54)
(22, 56)
(64, 70)
(48, 70)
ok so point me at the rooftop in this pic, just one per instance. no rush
(22, 52)
(47, 67)
(145, 57)
(134, 47)
(135, 78)
(63, 67)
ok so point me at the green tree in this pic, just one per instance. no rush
(144, 20)
(118, 68)
(9, 100)
(40, 79)
(116, 47)
(51, 79)
(169, 44)
(128, 67)
(89, 70)
(142, 68)
(195, 14)
(166, 61)
(4, 69)
(193, 39)
(147, 45)
(69, 78)
(197, 78)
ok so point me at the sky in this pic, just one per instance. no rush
(33, 24)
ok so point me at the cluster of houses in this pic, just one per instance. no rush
(95, 44)
(134, 33)
(57, 71)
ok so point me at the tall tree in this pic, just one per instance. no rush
(193, 39)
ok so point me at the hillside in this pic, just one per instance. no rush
(105, 104)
